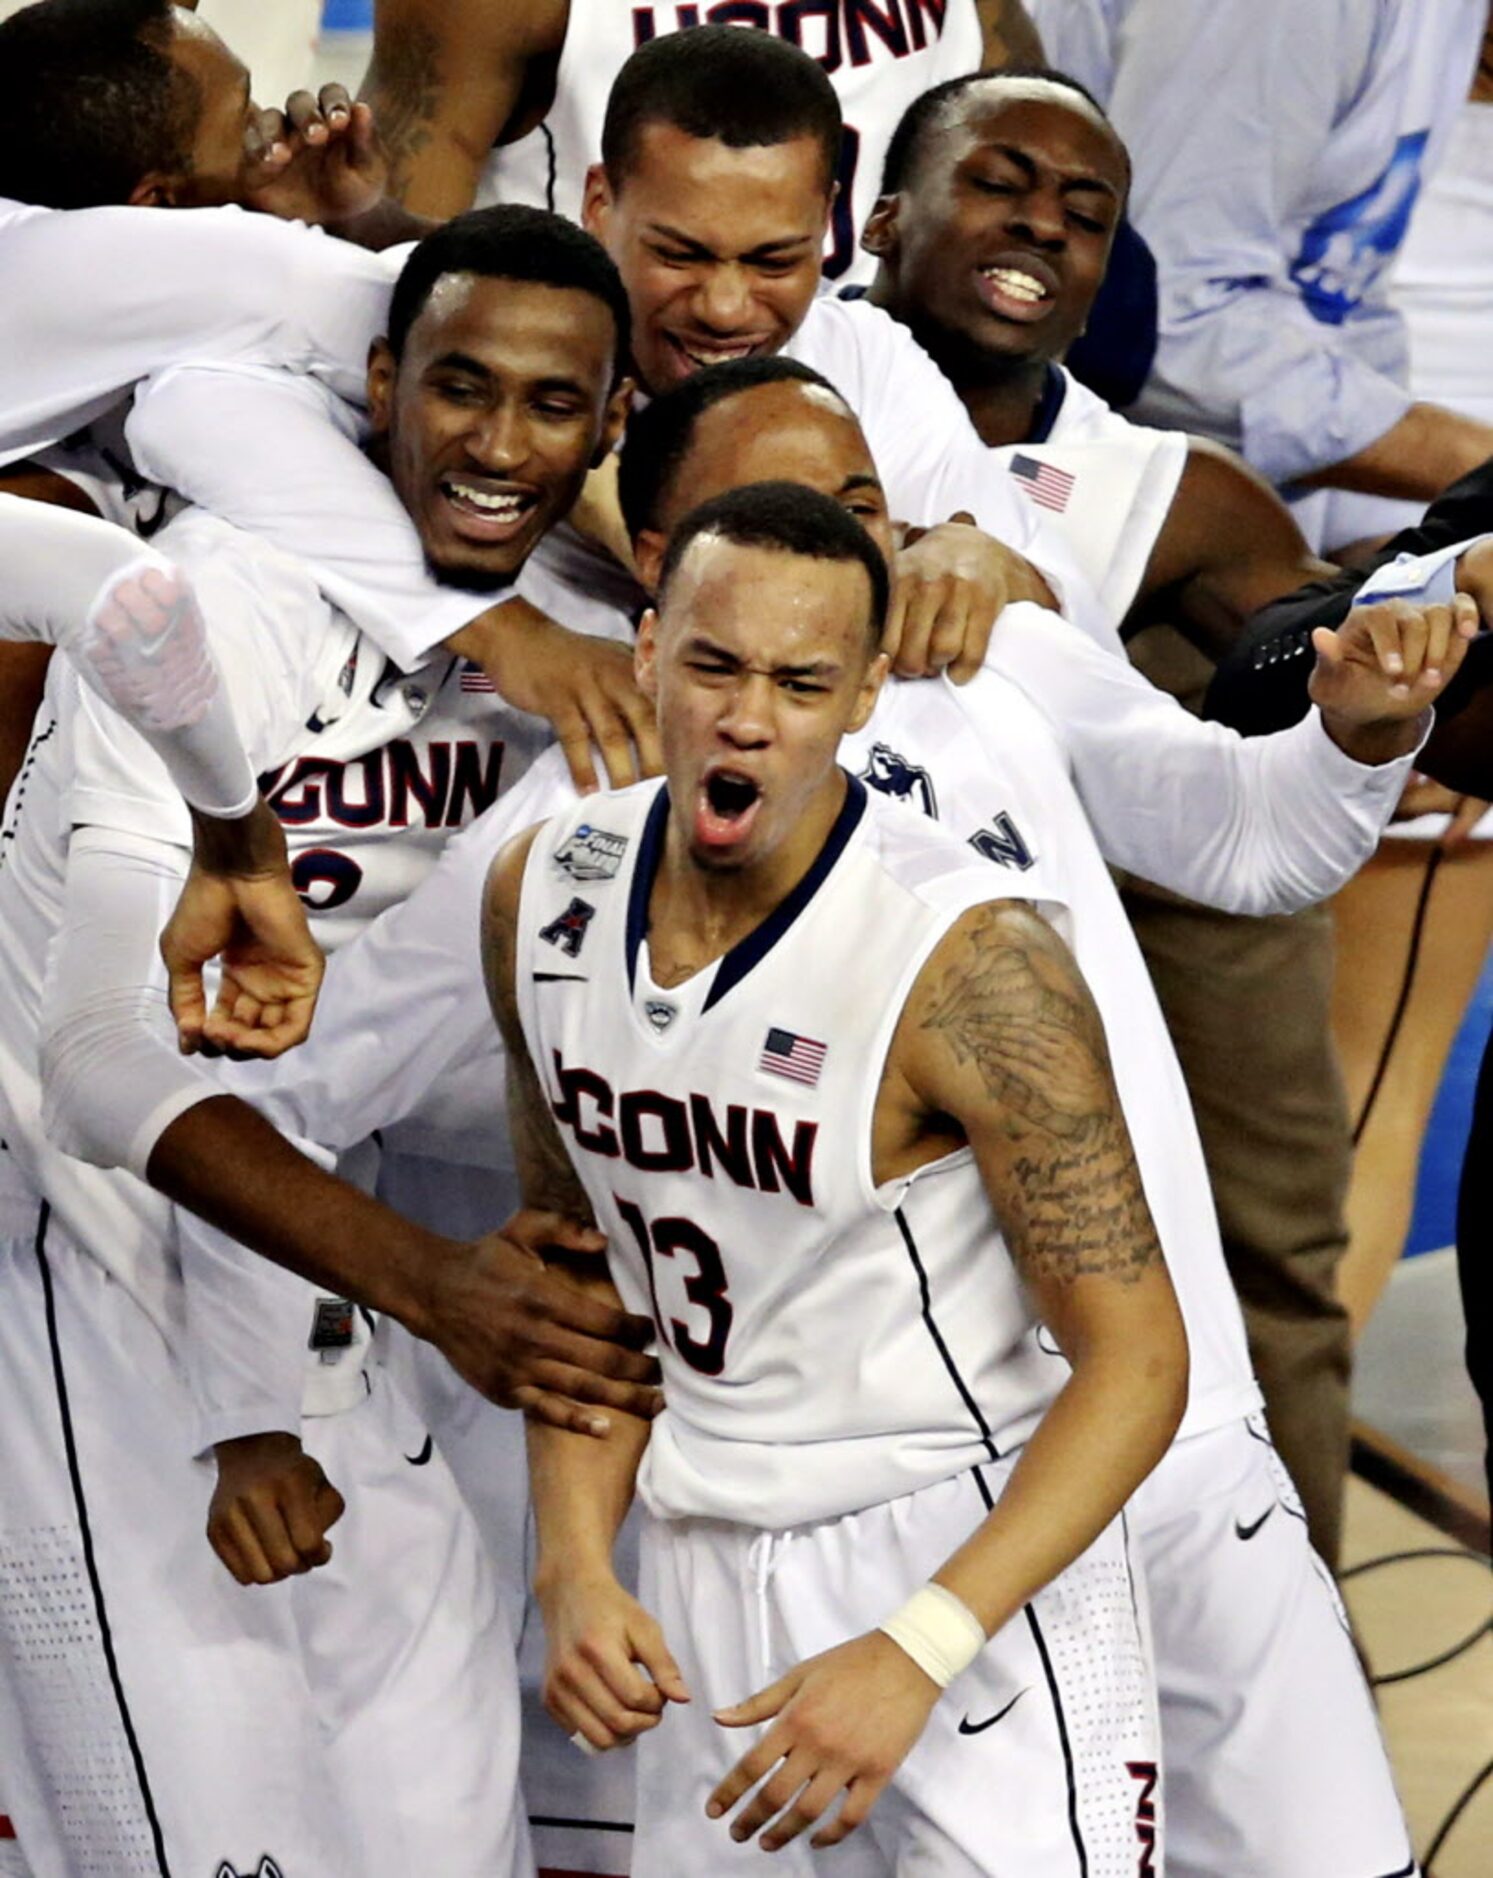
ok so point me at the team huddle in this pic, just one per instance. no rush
(686, 703)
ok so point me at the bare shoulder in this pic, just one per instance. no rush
(1000, 1014)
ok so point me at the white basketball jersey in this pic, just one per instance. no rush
(369, 774)
(1105, 484)
(826, 1344)
(879, 54)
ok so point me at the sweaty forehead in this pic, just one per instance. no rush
(497, 317)
(754, 424)
(1027, 111)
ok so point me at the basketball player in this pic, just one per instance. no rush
(820, 1421)
(1000, 765)
(504, 103)
(111, 296)
(496, 387)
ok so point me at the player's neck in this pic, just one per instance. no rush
(1003, 406)
(1001, 394)
(697, 914)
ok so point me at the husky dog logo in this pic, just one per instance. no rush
(894, 776)
(591, 853)
(568, 931)
(266, 1868)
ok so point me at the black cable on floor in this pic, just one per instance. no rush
(1483, 1629)
(1412, 959)
(1453, 1816)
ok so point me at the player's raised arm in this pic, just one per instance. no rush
(999, 1044)
(446, 78)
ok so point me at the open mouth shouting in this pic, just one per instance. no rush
(1017, 287)
(726, 806)
(485, 509)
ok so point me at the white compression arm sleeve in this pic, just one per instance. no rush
(126, 618)
(112, 1078)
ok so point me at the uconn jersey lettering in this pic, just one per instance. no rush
(383, 775)
(878, 54)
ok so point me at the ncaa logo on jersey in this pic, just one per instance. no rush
(266, 1868)
(660, 1014)
(568, 931)
(591, 854)
(894, 776)
(1003, 843)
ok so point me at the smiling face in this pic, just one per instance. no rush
(797, 432)
(1001, 235)
(719, 248)
(759, 662)
(489, 421)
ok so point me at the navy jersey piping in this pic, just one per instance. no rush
(751, 950)
(943, 1349)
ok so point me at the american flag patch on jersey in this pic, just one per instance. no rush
(785, 1053)
(473, 678)
(1046, 484)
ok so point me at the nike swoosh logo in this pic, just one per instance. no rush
(1248, 1532)
(967, 1727)
(419, 1460)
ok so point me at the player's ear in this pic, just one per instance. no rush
(648, 556)
(156, 189)
(614, 422)
(880, 235)
(381, 369)
(645, 655)
(870, 690)
(596, 201)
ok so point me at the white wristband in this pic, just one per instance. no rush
(939, 1632)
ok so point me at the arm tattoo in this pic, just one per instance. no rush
(1015, 1009)
(1008, 35)
(404, 90)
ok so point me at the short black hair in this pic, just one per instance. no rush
(907, 139)
(90, 101)
(740, 86)
(793, 519)
(510, 242)
(659, 436)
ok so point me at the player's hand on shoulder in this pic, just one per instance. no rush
(585, 686)
(271, 1509)
(845, 1722)
(319, 160)
(240, 906)
(534, 1339)
(950, 585)
(1390, 658)
(607, 1671)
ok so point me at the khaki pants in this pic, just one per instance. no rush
(1248, 1005)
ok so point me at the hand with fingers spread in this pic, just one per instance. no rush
(845, 1722)
(319, 160)
(952, 583)
(240, 906)
(527, 1338)
(1379, 671)
(583, 685)
(608, 1673)
(271, 1509)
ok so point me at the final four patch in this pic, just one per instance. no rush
(568, 932)
(591, 853)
